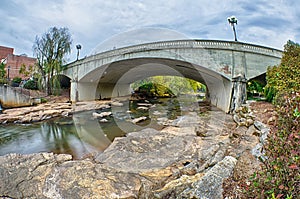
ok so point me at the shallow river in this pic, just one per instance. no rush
(82, 134)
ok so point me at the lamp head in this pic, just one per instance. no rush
(232, 20)
(78, 46)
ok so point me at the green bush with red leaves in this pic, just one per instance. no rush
(280, 174)
(286, 76)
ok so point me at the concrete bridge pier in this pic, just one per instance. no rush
(239, 92)
(83, 91)
(109, 90)
(74, 91)
(220, 92)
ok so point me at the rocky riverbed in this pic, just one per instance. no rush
(189, 158)
(47, 111)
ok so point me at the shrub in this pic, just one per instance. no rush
(16, 81)
(3, 81)
(31, 84)
(43, 100)
(280, 175)
(270, 93)
(2, 72)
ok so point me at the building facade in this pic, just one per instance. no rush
(4, 51)
(13, 63)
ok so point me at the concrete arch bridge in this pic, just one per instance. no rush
(223, 66)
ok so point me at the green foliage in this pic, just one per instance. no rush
(286, 76)
(55, 85)
(280, 174)
(281, 171)
(50, 50)
(254, 88)
(296, 112)
(17, 80)
(155, 90)
(43, 100)
(3, 81)
(31, 84)
(2, 74)
(26, 71)
(177, 85)
(270, 93)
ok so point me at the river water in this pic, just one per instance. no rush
(82, 134)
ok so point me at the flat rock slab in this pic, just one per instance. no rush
(147, 150)
(47, 175)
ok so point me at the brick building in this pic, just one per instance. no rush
(13, 62)
(4, 51)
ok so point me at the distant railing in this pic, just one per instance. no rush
(177, 44)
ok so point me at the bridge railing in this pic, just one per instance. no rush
(176, 44)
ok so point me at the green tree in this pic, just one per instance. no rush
(178, 85)
(26, 71)
(50, 50)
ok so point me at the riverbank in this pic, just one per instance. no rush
(235, 185)
(190, 157)
(55, 107)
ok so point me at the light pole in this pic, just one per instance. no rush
(233, 20)
(78, 47)
(8, 69)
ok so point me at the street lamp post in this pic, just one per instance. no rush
(78, 47)
(232, 21)
(8, 69)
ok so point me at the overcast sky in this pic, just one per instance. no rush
(114, 23)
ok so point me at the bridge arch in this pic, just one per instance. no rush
(214, 63)
(115, 80)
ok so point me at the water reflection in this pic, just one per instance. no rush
(58, 136)
(61, 138)
(83, 134)
(90, 133)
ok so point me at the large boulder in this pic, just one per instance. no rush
(147, 150)
(47, 175)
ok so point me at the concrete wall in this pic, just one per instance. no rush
(11, 98)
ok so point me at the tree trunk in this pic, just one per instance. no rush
(48, 85)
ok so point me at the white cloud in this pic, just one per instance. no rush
(138, 36)
(92, 22)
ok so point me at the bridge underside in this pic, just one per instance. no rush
(260, 78)
(113, 80)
